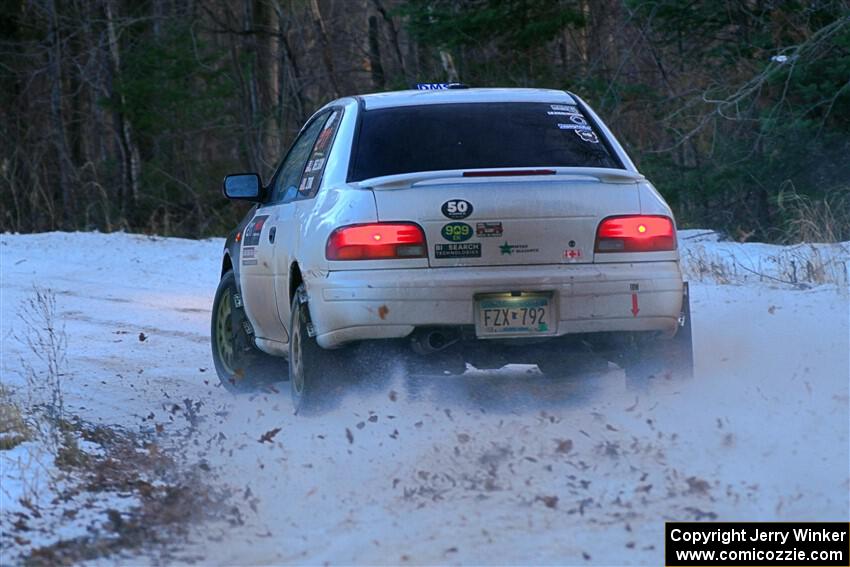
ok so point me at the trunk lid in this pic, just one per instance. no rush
(507, 220)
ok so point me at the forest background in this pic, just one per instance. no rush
(125, 115)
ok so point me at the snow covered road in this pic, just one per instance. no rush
(498, 467)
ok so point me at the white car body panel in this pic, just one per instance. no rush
(358, 300)
(538, 216)
(349, 306)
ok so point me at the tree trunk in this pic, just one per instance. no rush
(375, 55)
(393, 36)
(267, 79)
(448, 66)
(132, 159)
(57, 119)
(327, 55)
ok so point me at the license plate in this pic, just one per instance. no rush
(504, 315)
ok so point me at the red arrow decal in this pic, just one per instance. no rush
(635, 309)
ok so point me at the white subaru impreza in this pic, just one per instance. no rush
(457, 220)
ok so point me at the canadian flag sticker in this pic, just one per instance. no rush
(572, 254)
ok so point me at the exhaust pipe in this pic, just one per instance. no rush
(429, 341)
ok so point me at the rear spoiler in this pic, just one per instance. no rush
(404, 180)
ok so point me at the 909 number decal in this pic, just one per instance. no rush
(457, 232)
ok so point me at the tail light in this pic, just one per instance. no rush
(377, 241)
(638, 233)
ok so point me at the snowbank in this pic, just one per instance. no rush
(503, 466)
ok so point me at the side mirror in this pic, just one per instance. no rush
(244, 186)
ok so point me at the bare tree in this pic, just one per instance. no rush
(130, 151)
(57, 118)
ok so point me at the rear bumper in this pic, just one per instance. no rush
(354, 305)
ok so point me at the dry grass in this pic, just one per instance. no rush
(801, 266)
(46, 342)
(13, 427)
(170, 499)
(816, 220)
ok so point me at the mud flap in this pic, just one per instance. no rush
(659, 358)
(243, 331)
(682, 350)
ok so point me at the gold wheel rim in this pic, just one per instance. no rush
(224, 332)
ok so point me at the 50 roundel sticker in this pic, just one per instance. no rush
(457, 232)
(457, 209)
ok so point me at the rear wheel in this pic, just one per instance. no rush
(311, 368)
(239, 364)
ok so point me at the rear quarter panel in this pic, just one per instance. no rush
(336, 204)
(651, 203)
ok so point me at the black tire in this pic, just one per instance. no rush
(310, 366)
(240, 366)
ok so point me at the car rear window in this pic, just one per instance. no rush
(476, 136)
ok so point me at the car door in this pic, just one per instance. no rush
(267, 239)
(302, 202)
